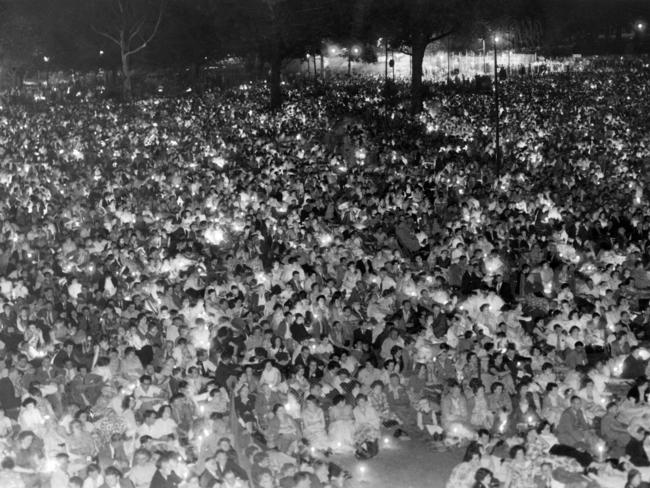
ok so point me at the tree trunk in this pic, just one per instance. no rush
(126, 73)
(276, 79)
(417, 58)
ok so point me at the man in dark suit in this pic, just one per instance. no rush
(503, 289)
(7, 317)
(223, 464)
(472, 280)
(165, 477)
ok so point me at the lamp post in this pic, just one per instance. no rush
(386, 61)
(353, 51)
(484, 62)
(496, 110)
(639, 27)
(349, 62)
(448, 62)
(46, 60)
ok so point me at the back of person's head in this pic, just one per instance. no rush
(473, 449)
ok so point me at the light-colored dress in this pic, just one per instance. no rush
(313, 420)
(481, 415)
(366, 424)
(341, 429)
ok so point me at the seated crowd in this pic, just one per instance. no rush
(199, 293)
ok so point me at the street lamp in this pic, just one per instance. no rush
(484, 62)
(353, 51)
(639, 27)
(497, 156)
(46, 60)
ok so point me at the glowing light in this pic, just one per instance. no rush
(214, 236)
(617, 369)
(548, 288)
(49, 465)
(386, 440)
(325, 240)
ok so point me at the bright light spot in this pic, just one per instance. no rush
(325, 240)
(219, 161)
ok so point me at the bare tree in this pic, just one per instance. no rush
(131, 25)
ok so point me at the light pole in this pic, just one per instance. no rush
(484, 62)
(496, 110)
(640, 27)
(386, 62)
(349, 62)
(46, 60)
(448, 62)
(354, 50)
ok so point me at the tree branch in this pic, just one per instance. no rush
(136, 30)
(106, 35)
(441, 36)
(153, 33)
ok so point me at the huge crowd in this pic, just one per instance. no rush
(198, 292)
